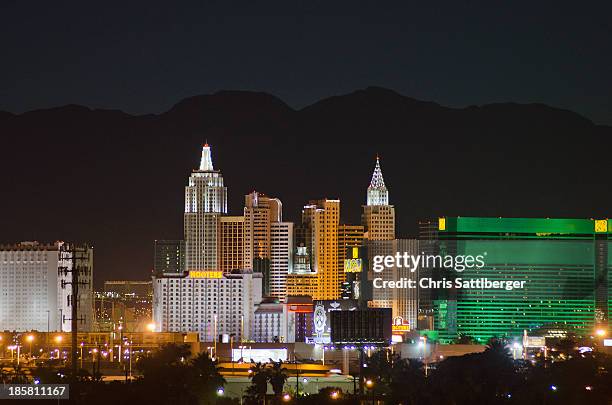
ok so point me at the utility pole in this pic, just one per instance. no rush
(297, 376)
(47, 339)
(75, 255)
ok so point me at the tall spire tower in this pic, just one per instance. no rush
(205, 203)
(377, 192)
(378, 216)
(206, 160)
(378, 219)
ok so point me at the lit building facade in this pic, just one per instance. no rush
(205, 203)
(348, 236)
(207, 302)
(321, 218)
(283, 322)
(281, 263)
(270, 323)
(378, 216)
(302, 280)
(404, 302)
(378, 219)
(33, 290)
(259, 212)
(232, 243)
(564, 263)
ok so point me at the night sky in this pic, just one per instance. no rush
(141, 57)
(117, 181)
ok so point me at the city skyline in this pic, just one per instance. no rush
(406, 222)
(302, 202)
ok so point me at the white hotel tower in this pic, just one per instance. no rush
(203, 298)
(205, 202)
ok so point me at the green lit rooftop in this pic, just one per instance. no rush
(525, 227)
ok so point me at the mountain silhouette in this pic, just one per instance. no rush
(116, 179)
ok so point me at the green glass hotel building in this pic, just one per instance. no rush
(564, 263)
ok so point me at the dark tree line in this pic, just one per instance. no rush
(172, 376)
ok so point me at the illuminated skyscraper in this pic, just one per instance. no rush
(321, 219)
(378, 216)
(564, 264)
(281, 251)
(205, 202)
(232, 243)
(378, 219)
(259, 212)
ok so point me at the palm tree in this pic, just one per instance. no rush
(277, 375)
(497, 347)
(259, 382)
(207, 374)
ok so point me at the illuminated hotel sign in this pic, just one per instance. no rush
(353, 265)
(399, 325)
(601, 225)
(205, 274)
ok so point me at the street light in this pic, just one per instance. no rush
(30, 339)
(423, 345)
(334, 395)
(81, 354)
(220, 391)
(600, 332)
(131, 350)
(151, 327)
(286, 397)
(369, 383)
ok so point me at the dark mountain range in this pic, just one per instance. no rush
(116, 179)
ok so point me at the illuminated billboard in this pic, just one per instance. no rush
(321, 318)
(205, 274)
(400, 325)
(353, 265)
(259, 355)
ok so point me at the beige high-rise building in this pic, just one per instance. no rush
(205, 204)
(378, 216)
(378, 219)
(303, 284)
(281, 254)
(302, 280)
(321, 218)
(259, 212)
(402, 301)
(348, 236)
(232, 243)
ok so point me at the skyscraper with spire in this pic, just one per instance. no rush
(205, 202)
(378, 216)
(378, 219)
